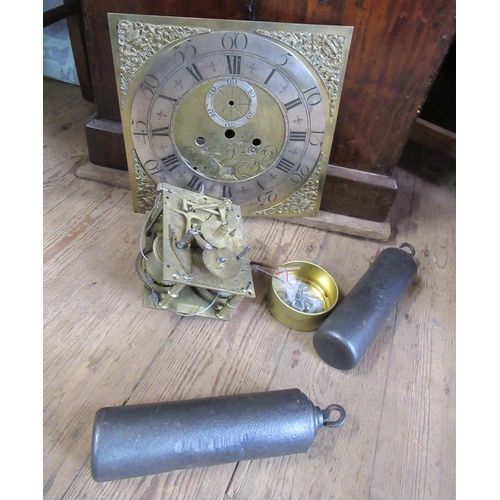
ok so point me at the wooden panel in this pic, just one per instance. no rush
(108, 144)
(76, 32)
(434, 137)
(359, 194)
(396, 50)
(99, 44)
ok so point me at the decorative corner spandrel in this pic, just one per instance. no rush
(145, 188)
(139, 41)
(303, 202)
(324, 51)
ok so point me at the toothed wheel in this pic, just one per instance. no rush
(210, 295)
(221, 262)
(205, 294)
(146, 278)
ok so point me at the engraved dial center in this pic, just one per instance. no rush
(235, 138)
(231, 102)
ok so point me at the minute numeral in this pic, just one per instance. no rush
(316, 142)
(268, 197)
(184, 51)
(194, 72)
(298, 136)
(314, 96)
(152, 167)
(234, 64)
(292, 104)
(149, 86)
(284, 165)
(238, 41)
(170, 162)
(143, 130)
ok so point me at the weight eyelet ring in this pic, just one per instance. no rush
(334, 423)
(410, 247)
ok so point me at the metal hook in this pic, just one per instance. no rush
(334, 423)
(410, 247)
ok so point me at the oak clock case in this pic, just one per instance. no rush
(230, 109)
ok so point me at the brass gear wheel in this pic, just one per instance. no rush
(147, 279)
(221, 262)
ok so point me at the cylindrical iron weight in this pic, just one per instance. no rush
(138, 440)
(344, 337)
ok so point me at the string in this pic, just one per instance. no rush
(203, 310)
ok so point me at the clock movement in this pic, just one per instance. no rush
(235, 110)
(194, 258)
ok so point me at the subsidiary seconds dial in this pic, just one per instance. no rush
(229, 114)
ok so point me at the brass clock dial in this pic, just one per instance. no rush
(230, 109)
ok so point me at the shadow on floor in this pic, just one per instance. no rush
(428, 164)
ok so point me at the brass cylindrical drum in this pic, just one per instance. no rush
(322, 288)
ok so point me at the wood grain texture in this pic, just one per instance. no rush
(396, 51)
(102, 348)
(76, 32)
(108, 144)
(434, 137)
(359, 194)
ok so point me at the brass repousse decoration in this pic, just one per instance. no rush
(194, 258)
(230, 109)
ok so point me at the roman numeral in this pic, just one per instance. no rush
(269, 76)
(171, 99)
(234, 64)
(226, 191)
(194, 72)
(298, 136)
(171, 162)
(292, 104)
(195, 183)
(162, 131)
(284, 165)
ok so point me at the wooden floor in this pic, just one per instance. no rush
(102, 348)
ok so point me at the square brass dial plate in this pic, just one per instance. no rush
(242, 110)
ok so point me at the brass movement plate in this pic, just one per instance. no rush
(195, 258)
(182, 211)
(230, 109)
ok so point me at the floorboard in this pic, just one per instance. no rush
(102, 348)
